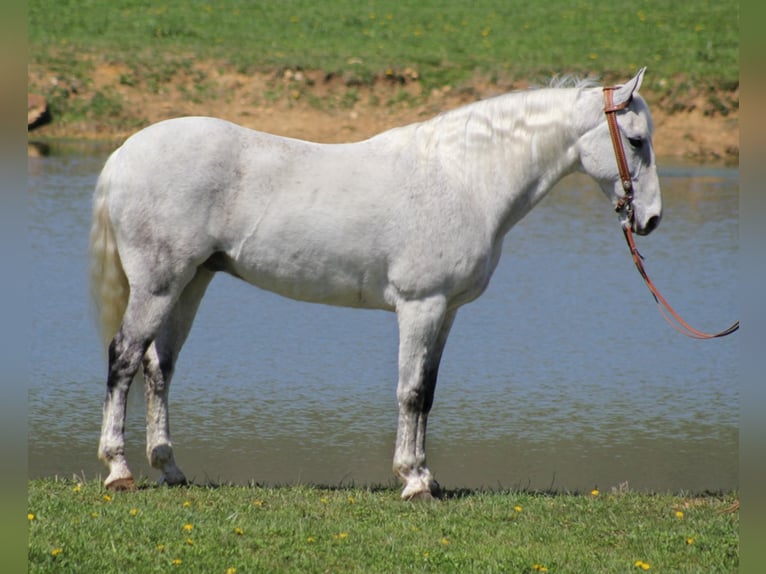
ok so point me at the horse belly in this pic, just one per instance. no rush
(312, 271)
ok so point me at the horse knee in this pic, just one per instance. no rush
(419, 397)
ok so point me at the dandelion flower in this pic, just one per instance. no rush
(133, 511)
(689, 541)
(323, 500)
(344, 535)
(258, 502)
(641, 564)
(311, 539)
(107, 498)
(190, 542)
(188, 527)
(56, 551)
(30, 517)
(177, 561)
(518, 508)
(77, 488)
(679, 514)
(351, 500)
(187, 503)
(594, 492)
(160, 547)
(238, 531)
(445, 541)
(231, 571)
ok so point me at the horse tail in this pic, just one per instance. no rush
(108, 283)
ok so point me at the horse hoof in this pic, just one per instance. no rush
(432, 492)
(122, 484)
(422, 497)
(174, 482)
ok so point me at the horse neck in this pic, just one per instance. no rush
(509, 151)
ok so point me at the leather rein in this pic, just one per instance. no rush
(624, 208)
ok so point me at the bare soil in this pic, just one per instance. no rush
(316, 106)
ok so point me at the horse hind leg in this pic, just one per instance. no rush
(145, 313)
(124, 360)
(423, 330)
(159, 365)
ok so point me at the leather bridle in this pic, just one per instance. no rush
(610, 109)
(625, 208)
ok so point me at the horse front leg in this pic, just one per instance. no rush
(423, 330)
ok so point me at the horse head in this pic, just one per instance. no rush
(636, 192)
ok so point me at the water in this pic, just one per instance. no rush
(562, 375)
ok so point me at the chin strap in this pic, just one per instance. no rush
(667, 311)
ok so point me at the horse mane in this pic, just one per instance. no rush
(572, 81)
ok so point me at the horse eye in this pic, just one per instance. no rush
(636, 143)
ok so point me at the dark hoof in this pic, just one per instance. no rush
(122, 484)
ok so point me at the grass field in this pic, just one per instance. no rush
(446, 42)
(690, 47)
(80, 527)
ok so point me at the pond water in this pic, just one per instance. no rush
(563, 375)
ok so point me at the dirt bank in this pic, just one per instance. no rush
(321, 107)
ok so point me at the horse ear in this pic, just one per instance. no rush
(625, 92)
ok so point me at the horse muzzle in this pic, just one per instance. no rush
(645, 229)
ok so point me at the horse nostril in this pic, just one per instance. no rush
(653, 222)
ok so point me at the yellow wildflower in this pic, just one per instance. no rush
(190, 542)
(177, 561)
(594, 492)
(133, 511)
(187, 503)
(30, 517)
(517, 508)
(641, 564)
(231, 571)
(445, 541)
(56, 551)
(77, 488)
(188, 527)
(690, 541)
(311, 539)
(107, 498)
(679, 514)
(238, 531)
(258, 502)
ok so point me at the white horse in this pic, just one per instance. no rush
(411, 221)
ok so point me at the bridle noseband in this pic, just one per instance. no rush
(625, 209)
(610, 109)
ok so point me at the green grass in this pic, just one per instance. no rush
(79, 527)
(446, 42)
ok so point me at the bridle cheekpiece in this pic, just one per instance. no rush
(610, 109)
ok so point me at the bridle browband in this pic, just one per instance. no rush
(624, 208)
